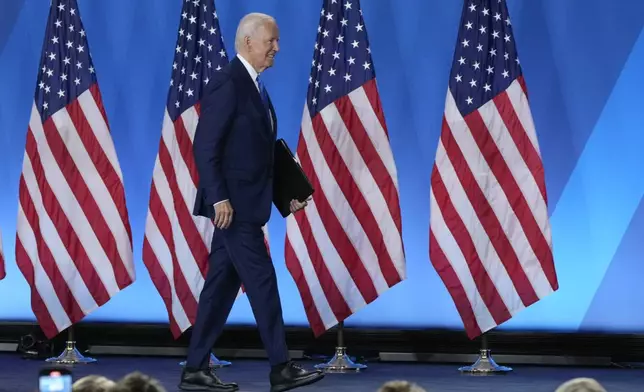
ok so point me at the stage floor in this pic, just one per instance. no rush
(18, 375)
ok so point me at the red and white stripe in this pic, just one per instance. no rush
(345, 248)
(177, 244)
(3, 272)
(490, 236)
(74, 242)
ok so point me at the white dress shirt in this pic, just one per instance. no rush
(254, 74)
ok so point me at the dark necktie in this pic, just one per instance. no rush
(264, 94)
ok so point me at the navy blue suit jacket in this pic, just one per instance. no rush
(234, 147)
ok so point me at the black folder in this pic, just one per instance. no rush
(289, 181)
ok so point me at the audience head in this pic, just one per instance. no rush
(581, 385)
(400, 386)
(138, 382)
(93, 383)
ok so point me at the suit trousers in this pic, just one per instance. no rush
(238, 255)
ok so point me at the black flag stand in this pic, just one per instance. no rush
(71, 355)
(485, 364)
(214, 362)
(341, 362)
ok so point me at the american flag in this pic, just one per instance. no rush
(73, 242)
(3, 273)
(345, 248)
(490, 237)
(176, 243)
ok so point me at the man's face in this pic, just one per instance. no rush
(264, 45)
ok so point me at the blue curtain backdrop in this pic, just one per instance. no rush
(583, 62)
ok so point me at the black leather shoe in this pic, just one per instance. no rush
(291, 375)
(204, 380)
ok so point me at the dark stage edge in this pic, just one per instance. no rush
(20, 375)
(434, 346)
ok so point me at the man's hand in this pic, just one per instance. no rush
(223, 215)
(296, 205)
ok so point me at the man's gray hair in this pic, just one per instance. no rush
(248, 26)
(400, 386)
(137, 381)
(93, 383)
(581, 385)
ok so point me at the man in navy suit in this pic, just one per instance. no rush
(233, 150)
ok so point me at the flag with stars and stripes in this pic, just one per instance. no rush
(345, 248)
(490, 236)
(177, 244)
(3, 272)
(73, 242)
